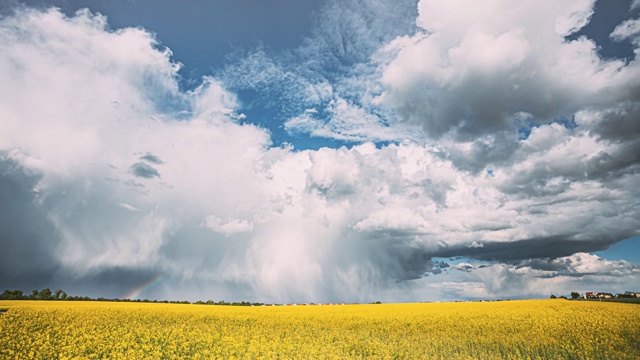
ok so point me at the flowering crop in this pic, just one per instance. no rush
(535, 329)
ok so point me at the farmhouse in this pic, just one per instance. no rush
(598, 295)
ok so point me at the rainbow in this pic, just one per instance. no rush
(147, 285)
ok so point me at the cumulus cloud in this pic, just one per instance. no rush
(469, 74)
(580, 265)
(80, 104)
(114, 176)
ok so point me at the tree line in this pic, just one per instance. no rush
(47, 294)
(44, 294)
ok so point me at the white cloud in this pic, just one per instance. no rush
(464, 266)
(348, 122)
(89, 118)
(583, 264)
(331, 73)
(401, 219)
(129, 207)
(228, 226)
(55, 67)
(628, 29)
(470, 72)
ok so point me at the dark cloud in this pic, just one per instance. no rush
(28, 240)
(615, 163)
(149, 157)
(549, 247)
(561, 265)
(144, 170)
(620, 123)
(496, 149)
(110, 282)
(391, 256)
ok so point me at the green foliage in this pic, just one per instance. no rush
(45, 294)
(60, 295)
(13, 295)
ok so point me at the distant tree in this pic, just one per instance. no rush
(45, 294)
(553, 297)
(12, 295)
(34, 294)
(575, 295)
(58, 294)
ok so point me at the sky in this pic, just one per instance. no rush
(320, 150)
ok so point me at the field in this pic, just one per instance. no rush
(536, 329)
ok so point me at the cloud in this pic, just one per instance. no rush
(118, 172)
(401, 219)
(228, 226)
(537, 278)
(143, 170)
(468, 75)
(80, 126)
(629, 29)
(463, 266)
(151, 158)
(580, 265)
(27, 238)
(347, 122)
(325, 87)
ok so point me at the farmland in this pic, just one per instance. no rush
(536, 329)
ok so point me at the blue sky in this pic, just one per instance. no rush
(320, 150)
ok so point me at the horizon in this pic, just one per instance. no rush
(321, 149)
(69, 297)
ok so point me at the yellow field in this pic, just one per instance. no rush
(542, 329)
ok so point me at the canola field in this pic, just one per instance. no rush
(533, 329)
